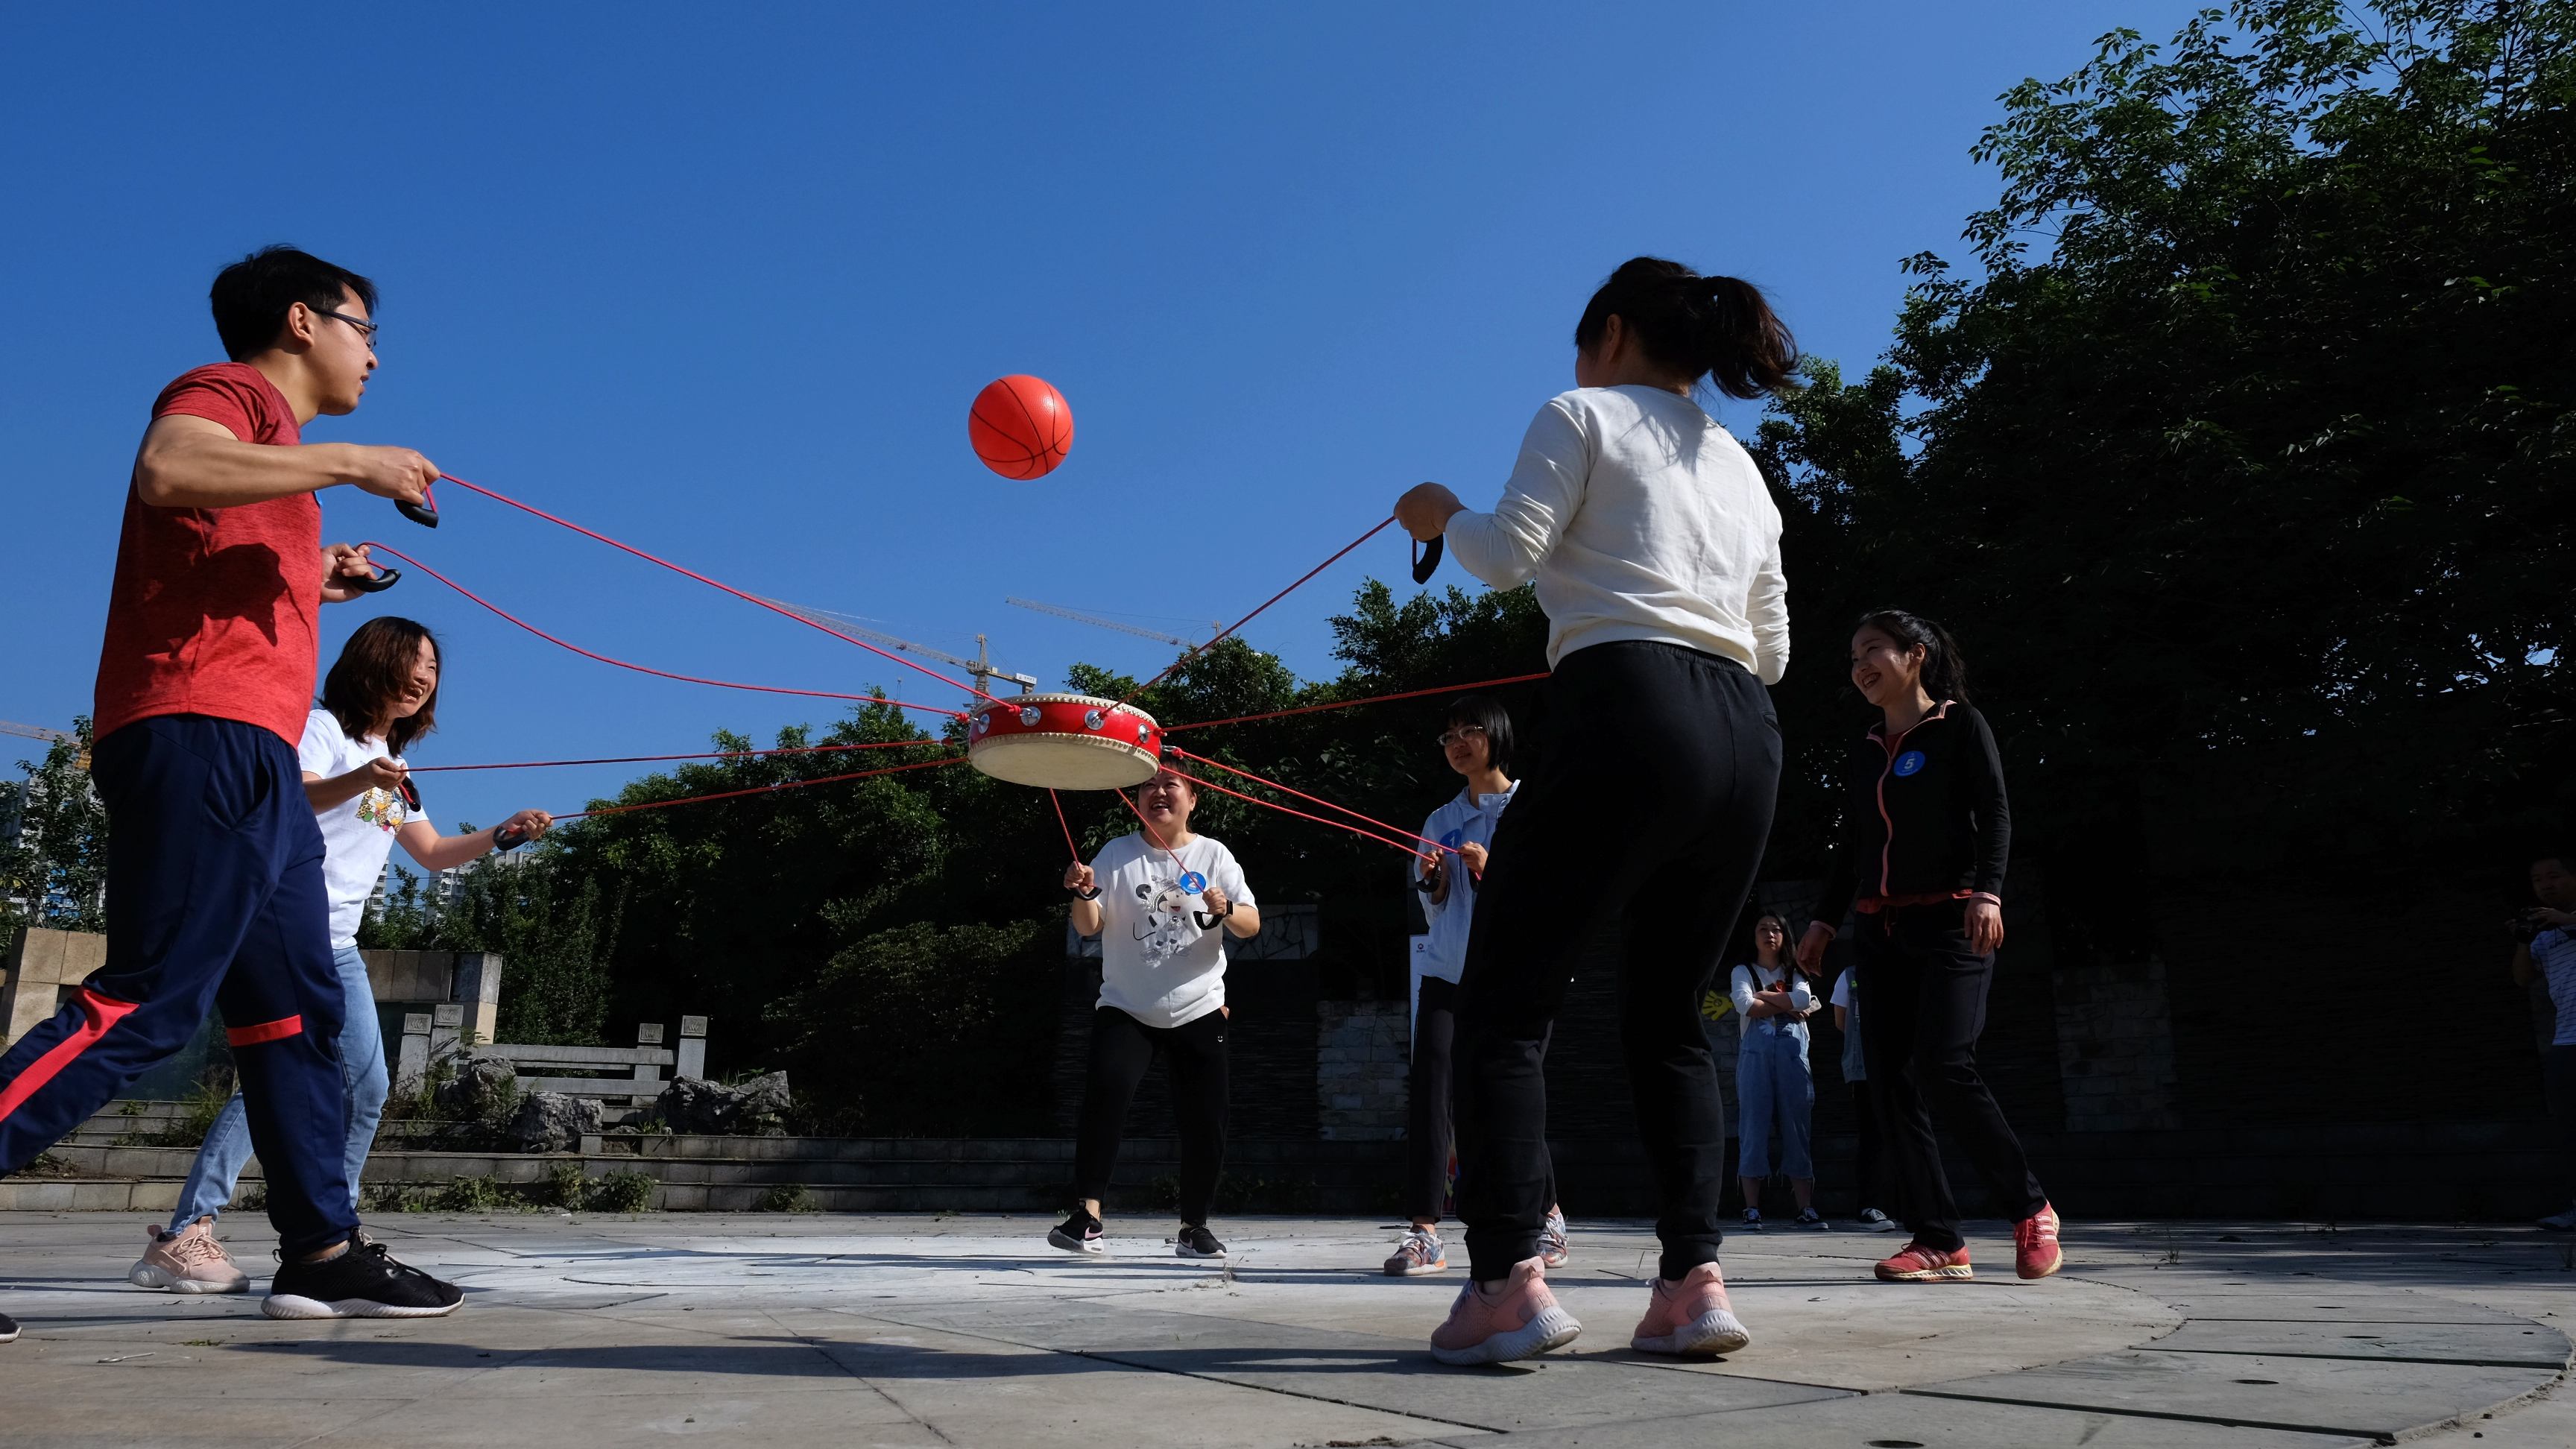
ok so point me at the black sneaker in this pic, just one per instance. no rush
(8, 1329)
(364, 1282)
(1078, 1233)
(1198, 1242)
(1813, 1220)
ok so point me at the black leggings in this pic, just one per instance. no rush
(1927, 1005)
(1645, 817)
(1121, 1049)
(1429, 1136)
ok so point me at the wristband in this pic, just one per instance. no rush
(1092, 894)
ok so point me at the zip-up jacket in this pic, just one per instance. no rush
(1924, 817)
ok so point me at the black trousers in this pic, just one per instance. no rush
(1645, 817)
(2558, 1079)
(1927, 1005)
(1121, 1049)
(1869, 1180)
(1430, 1134)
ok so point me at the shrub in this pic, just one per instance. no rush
(623, 1191)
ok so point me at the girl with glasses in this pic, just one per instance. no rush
(1477, 744)
(380, 695)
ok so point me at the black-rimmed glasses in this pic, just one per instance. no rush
(365, 328)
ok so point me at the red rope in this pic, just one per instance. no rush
(1302, 795)
(642, 668)
(1300, 814)
(710, 755)
(1070, 848)
(1152, 834)
(764, 789)
(1197, 650)
(1347, 703)
(727, 588)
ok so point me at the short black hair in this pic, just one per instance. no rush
(1486, 713)
(251, 296)
(2566, 861)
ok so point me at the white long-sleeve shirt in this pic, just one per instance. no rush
(1641, 518)
(1748, 980)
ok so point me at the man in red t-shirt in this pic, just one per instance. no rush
(214, 879)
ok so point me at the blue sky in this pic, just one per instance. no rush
(724, 284)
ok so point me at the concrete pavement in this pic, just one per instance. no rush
(969, 1331)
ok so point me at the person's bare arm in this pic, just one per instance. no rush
(1087, 916)
(1243, 922)
(2523, 970)
(433, 851)
(1842, 1018)
(383, 773)
(193, 462)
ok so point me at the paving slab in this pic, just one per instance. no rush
(1914, 1422)
(965, 1331)
(2323, 1396)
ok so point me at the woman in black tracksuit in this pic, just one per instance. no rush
(1926, 833)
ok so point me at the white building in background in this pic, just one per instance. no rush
(440, 889)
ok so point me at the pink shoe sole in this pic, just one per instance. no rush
(1553, 1328)
(1712, 1333)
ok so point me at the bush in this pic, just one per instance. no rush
(789, 1197)
(623, 1191)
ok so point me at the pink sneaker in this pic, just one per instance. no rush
(1691, 1318)
(2035, 1250)
(187, 1261)
(1522, 1320)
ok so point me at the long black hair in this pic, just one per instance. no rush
(1487, 714)
(1945, 673)
(1720, 327)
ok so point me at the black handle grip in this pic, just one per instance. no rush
(1426, 559)
(509, 837)
(370, 583)
(1207, 919)
(426, 515)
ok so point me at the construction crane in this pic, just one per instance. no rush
(981, 667)
(1060, 611)
(32, 732)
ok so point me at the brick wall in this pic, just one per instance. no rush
(1361, 1062)
(2115, 1048)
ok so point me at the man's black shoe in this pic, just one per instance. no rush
(364, 1282)
(8, 1329)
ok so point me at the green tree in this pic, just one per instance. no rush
(53, 842)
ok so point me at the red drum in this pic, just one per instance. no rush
(1065, 742)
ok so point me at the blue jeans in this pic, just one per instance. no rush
(363, 1083)
(1774, 1087)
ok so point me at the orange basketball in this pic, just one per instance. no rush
(1020, 426)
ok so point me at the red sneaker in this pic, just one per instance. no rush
(2035, 1251)
(1920, 1264)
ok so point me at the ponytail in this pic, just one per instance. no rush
(1720, 328)
(1945, 674)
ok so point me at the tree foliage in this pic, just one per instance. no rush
(53, 842)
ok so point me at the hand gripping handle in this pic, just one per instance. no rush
(424, 513)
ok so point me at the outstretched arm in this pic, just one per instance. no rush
(192, 462)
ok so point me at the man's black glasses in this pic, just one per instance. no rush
(365, 328)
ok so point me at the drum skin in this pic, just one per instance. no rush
(1064, 742)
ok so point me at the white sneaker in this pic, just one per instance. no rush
(1420, 1252)
(1552, 1248)
(2563, 1223)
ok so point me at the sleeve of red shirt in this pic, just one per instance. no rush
(212, 394)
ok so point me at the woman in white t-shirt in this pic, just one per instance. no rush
(1162, 901)
(1774, 1090)
(380, 695)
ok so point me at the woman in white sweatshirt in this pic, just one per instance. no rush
(1655, 547)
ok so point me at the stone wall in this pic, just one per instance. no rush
(2115, 1048)
(39, 970)
(1361, 1063)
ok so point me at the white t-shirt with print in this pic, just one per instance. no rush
(358, 833)
(1156, 965)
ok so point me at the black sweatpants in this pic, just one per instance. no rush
(1429, 1132)
(1646, 815)
(2558, 1081)
(1121, 1049)
(1927, 1004)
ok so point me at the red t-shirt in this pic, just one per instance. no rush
(213, 609)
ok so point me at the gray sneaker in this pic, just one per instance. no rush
(1552, 1249)
(1874, 1221)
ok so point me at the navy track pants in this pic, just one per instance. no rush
(214, 898)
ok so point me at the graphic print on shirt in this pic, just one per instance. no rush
(381, 808)
(1908, 763)
(1166, 927)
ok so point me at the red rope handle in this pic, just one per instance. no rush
(1197, 650)
(1156, 836)
(643, 668)
(709, 755)
(764, 789)
(715, 584)
(1302, 795)
(1302, 815)
(1349, 703)
(1070, 848)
